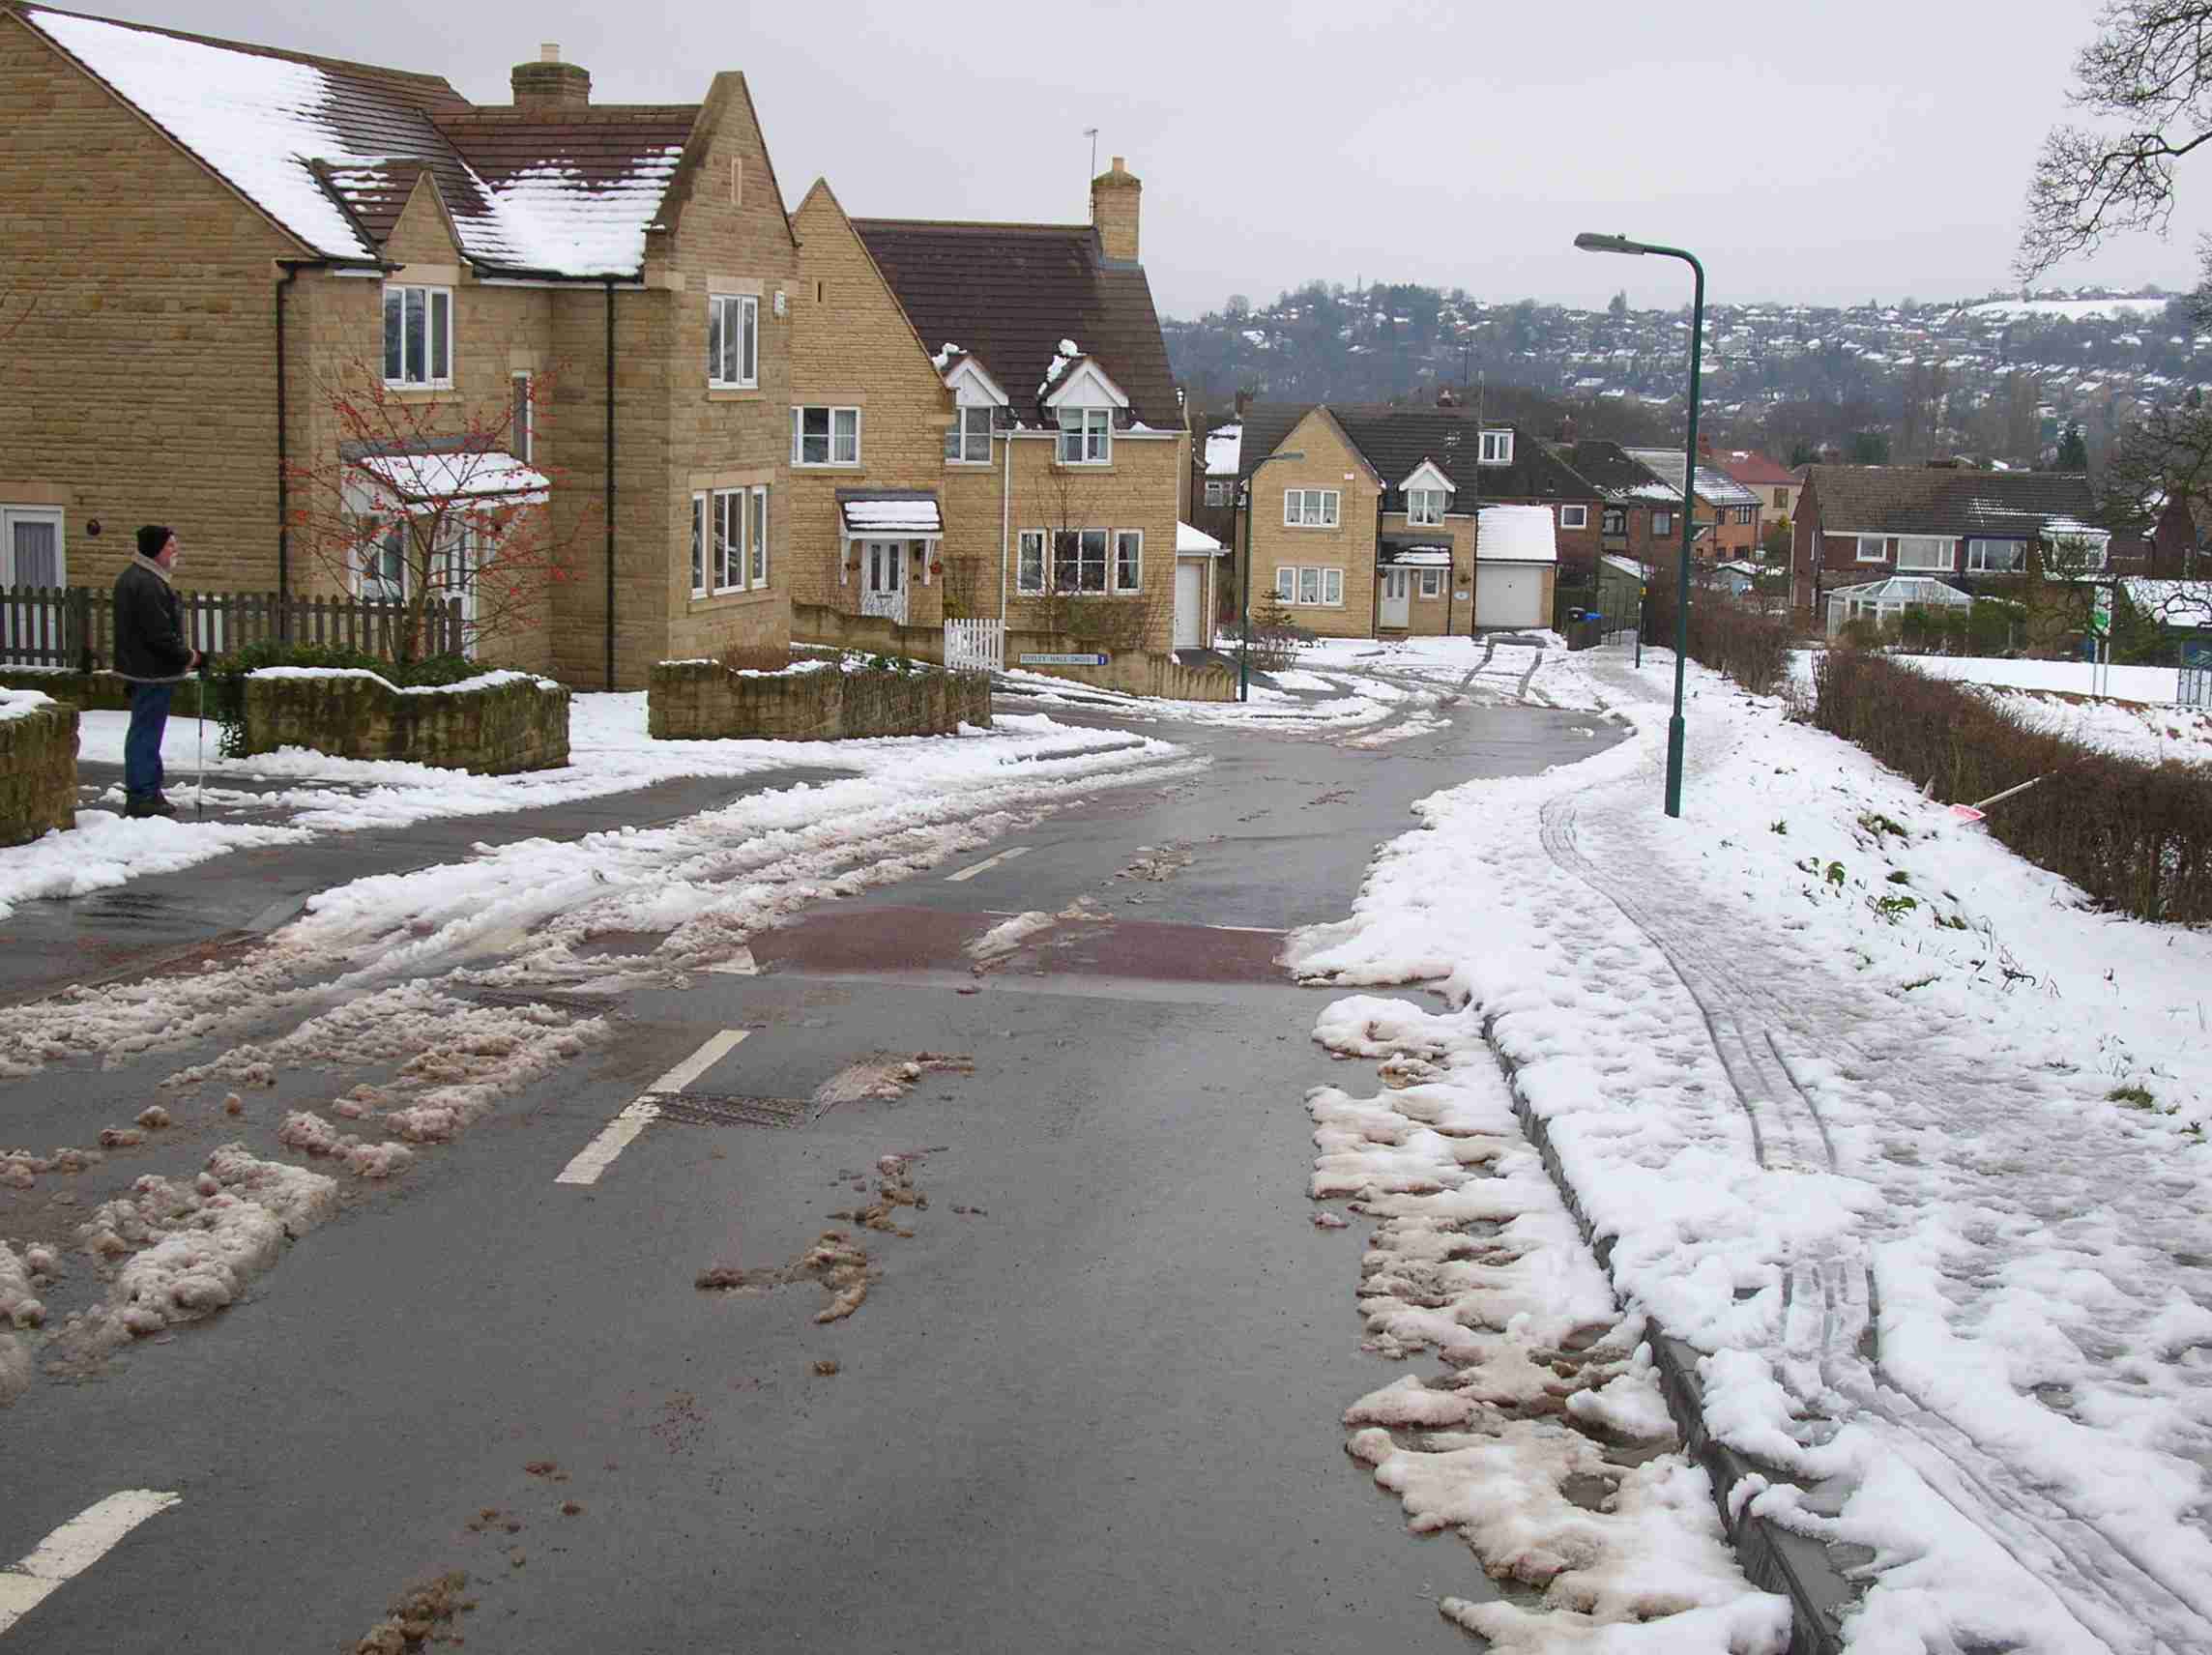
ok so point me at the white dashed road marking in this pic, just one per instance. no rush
(73, 1548)
(596, 1156)
(966, 874)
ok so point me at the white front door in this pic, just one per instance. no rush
(1190, 605)
(882, 579)
(1397, 594)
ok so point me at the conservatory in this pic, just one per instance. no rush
(1884, 601)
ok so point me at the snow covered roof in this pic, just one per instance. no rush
(474, 476)
(1626, 566)
(1417, 550)
(1715, 488)
(1933, 500)
(890, 512)
(1901, 589)
(1192, 542)
(1515, 533)
(332, 151)
(1222, 447)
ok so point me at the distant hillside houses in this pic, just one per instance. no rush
(1998, 377)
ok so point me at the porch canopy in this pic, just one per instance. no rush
(889, 514)
(434, 476)
(1885, 600)
(1413, 551)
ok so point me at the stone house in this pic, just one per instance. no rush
(984, 427)
(219, 240)
(1371, 532)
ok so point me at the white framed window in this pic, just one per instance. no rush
(733, 341)
(1424, 507)
(1745, 513)
(1996, 557)
(2075, 553)
(384, 565)
(726, 518)
(1432, 583)
(1497, 447)
(1085, 436)
(824, 436)
(31, 551)
(1662, 523)
(521, 420)
(1310, 508)
(968, 439)
(1574, 516)
(1216, 491)
(760, 537)
(1310, 586)
(698, 545)
(1128, 560)
(1782, 500)
(1079, 561)
(1926, 552)
(1029, 567)
(418, 334)
(1873, 549)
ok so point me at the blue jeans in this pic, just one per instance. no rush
(142, 747)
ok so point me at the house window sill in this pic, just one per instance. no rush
(850, 467)
(707, 602)
(733, 393)
(422, 396)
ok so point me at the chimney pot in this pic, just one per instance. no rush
(549, 52)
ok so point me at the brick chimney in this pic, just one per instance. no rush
(1113, 195)
(550, 87)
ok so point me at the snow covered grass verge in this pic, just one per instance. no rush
(2132, 729)
(106, 849)
(1545, 1443)
(1898, 1130)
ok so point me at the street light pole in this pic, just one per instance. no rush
(1596, 244)
(1244, 581)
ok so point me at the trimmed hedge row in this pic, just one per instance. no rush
(2136, 835)
(1748, 645)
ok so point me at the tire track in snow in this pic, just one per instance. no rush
(1830, 1349)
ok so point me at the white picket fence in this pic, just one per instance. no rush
(976, 646)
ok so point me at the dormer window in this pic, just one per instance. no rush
(1424, 507)
(1085, 436)
(1497, 447)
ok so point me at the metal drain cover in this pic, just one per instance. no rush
(701, 1109)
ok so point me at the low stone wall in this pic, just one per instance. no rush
(1133, 675)
(97, 691)
(512, 723)
(699, 701)
(871, 634)
(38, 767)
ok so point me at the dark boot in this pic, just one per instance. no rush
(148, 805)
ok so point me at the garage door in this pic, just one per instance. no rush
(1509, 594)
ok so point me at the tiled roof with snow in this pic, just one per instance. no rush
(1715, 487)
(1931, 500)
(332, 151)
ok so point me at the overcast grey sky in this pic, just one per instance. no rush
(1822, 155)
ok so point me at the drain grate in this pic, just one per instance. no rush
(700, 1109)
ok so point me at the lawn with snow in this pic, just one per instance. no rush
(2067, 677)
(1820, 1060)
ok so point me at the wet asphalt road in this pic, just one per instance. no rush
(1097, 1410)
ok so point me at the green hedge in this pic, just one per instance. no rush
(2136, 835)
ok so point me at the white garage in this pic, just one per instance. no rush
(1509, 594)
(1515, 554)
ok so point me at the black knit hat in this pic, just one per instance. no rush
(152, 538)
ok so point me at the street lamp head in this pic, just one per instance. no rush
(1590, 241)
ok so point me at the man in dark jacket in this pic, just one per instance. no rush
(151, 655)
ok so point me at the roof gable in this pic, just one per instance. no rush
(1009, 295)
(1428, 475)
(330, 151)
(1086, 385)
(972, 387)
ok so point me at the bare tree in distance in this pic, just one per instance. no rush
(2150, 69)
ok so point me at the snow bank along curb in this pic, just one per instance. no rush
(1772, 1558)
(1547, 1445)
(496, 725)
(38, 766)
(707, 701)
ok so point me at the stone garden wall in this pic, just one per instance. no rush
(707, 701)
(495, 725)
(38, 766)
(96, 692)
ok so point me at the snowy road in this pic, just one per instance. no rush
(1046, 1100)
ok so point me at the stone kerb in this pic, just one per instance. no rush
(704, 700)
(38, 766)
(497, 725)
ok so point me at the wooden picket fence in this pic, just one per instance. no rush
(973, 646)
(73, 626)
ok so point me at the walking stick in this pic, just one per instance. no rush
(199, 793)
